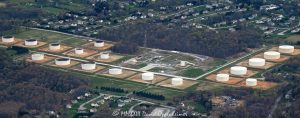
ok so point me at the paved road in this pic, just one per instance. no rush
(81, 107)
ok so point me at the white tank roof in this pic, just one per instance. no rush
(222, 77)
(238, 70)
(177, 81)
(251, 82)
(257, 62)
(286, 49)
(271, 55)
(148, 76)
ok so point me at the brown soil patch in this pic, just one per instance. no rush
(112, 58)
(86, 53)
(281, 59)
(186, 84)
(231, 81)
(46, 59)
(16, 40)
(246, 64)
(260, 85)
(138, 78)
(249, 73)
(62, 49)
(73, 63)
(125, 74)
(106, 46)
(22, 44)
(98, 68)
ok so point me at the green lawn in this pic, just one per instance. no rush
(294, 38)
(192, 72)
(168, 93)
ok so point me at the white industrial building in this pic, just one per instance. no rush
(149, 76)
(115, 71)
(238, 70)
(286, 49)
(37, 56)
(31, 42)
(257, 62)
(251, 82)
(222, 77)
(271, 55)
(62, 61)
(8, 39)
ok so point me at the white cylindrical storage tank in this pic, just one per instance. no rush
(79, 51)
(104, 55)
(98, 44)
(257, 62)
(286, 49)
(148, 76)
(62, 61)
(271, 55)
(54, 46)
(177, 81)
(222, 77)
(251, 82)
(88, 66)
(31, 42)
(37, 57)
(8, 39)
(182, 63)
(238, 70)
(115, 71)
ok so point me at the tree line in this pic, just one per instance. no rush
(149, 95)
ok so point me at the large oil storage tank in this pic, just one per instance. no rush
(104, 55)
(79, 51)
(286, 49)
(272, 55)
(88, 66)
(62, 61)
(37, 57)
(31, 42)
(54, 46)
(8, 39)
(222, 77)
(115, 71)
(251, 82)
(148, 76)
(182, 63)
(238, 70)
(257, 62)
(98, 43)
(177, 81)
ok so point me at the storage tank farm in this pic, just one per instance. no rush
(79, 51)
(238, 70)
(8, 39)
(54, 46)
(31, 42)
(37, 56)
(104, 55)
(177, 81)
(270, 55)
(115, 71)
(286, 49)
(257, 62)
(148, 76)
(62, 61)
(222, 77)
(251, 82)
(98, 43)
(88, 66)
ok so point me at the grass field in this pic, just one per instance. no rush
(192, 72)
(168, 93)
(294, 38)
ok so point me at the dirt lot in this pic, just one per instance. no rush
(231, 81)
(106, 46)
(124, 75)
(249, 73)
(86, 53)
(16, 40)
(138, 78)
(46, 59)
(267, 66)
(112, 58)
(282, 58)
(62, 49)
(22, 44)
(98, 68)
(186, 84)
(260, 85)
(73, 63)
